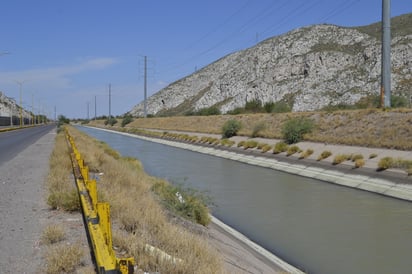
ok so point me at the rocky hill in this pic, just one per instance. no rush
(309, 68)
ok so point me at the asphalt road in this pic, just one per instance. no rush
(15, 141)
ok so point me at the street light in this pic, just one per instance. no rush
(20, 83)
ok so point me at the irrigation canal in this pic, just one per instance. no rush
(315, 226)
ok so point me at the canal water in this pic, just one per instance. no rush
(316, 226)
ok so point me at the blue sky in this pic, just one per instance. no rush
(66, 53)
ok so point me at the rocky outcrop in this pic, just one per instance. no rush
(310, 68)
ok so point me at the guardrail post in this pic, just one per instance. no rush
(103, 211)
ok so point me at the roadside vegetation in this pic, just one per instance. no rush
(145, 213)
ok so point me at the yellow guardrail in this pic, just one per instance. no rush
(97, 218)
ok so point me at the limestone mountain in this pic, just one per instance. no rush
(309, 68)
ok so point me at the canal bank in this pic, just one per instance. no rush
(393, 184)
(295, 223)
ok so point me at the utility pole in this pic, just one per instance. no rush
(145, 87)
(95, 108)
(386, 55)
(20, 83)
(88, 103)
(110, 103)
(32, 109)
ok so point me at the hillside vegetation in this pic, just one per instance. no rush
(367, 127)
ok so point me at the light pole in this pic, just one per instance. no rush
(20, 83)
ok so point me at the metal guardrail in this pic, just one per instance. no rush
(97, 219)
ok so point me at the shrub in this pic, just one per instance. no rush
(325, 154)
(127, 119)
(213, 110)
(254, 106)
(266, 148)
(373, 155)
(241, 144)
(250, 144)
(294, 129)
(359, 163)
(258, 128)
(227, 142)
(305, 154)
(340, 159)
(385, 163)
(277, 107)
(185, 201)
(356, 157)
(280, 147)
(230, 128)
(292, 150)
(112, 121)
(260, 145)
(52, 234)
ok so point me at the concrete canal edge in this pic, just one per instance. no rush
(367, 183)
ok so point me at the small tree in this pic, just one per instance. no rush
(230, 128)
(294, 129)
(62, 120)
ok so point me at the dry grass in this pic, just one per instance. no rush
(139, 218)
(52, 234)
(62, 191)
(64, 258)
(367, 127)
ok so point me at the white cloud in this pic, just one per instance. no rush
(55, 77)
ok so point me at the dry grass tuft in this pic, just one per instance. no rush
(53, 234)
(305, 154)
(325, 154)
(63, 258)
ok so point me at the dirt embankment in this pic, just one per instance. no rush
(369, 127)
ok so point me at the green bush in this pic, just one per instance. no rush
(112, 121)
(277, 107)
(231, 128)
(186, 202)
(294, 129)
(254, 106)
(127, 119)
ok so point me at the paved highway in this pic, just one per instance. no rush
(13, 142)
